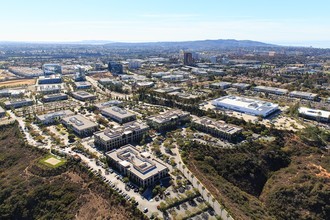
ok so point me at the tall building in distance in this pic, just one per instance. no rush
(80, 74)
(188, 59)
(115, 68)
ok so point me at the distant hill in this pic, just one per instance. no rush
(201, 44)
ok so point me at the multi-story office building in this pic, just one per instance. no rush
(245, 105)
(241, 86)
(272, 90)
(109, 81)
(55, 97)
(52, 117)
(109, 104)
(216, 128)
(118, 114)
(140, 167)
(303, 95)
(2, 112)
(50, 79)
(49, 88)
(12, 92)
(82, 85)
(80, 125)
(118, 136)
(83, 96)
(50, 69)
(168, 119)
(115, 68)
(18, 103)
(220, 85)
(314, 114)
(188, 59)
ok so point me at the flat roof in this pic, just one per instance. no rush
(218, 125)
(244, 85)
(313, 112)
(53, 76)
(2, 110)
(305, 94)
(55, 95)
(108, 103)
(83, 94)
(83, 83)
(168, 89)
(118, 112)
(252, 104)
(271, 89)
(221, 84)
(79, 122)
(17, 101)
(116, 132)
(141, 166)
(168, 116)
(60, 114)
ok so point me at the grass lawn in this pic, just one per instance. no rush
(52, 161)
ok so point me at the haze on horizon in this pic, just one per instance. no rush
(294, 23)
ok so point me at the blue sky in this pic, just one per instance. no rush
(289, 22)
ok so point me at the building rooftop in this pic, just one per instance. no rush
(49, 87)
(305, 94)
(17, 101)
(253, 104)
(108, 104)
(2, 110)
(118, 112)
(53, 76)
(83, 94)
(241, 85)
(168, 89)
(271, 89)
(314, 112)
(82, 83)
(54, 95)
(79, 122)
(118, 131)
(136, 162)
(168, 116)
(61, 114)
(218, 125)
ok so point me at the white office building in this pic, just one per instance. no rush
(245, 105)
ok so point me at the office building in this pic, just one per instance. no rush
(241, 86)
(303, 95)
(188, 59)
(169, 119)
(118, 114)
(53, 117)
(140, 167)
(83, 96)
(245, 105)
(272, 90)
(50, 69)
(2, 112)
(314, 114)
(220, 85)
(109, 104)
(127, 133)
(80, 125)
(12, 92)
(109, 81)
(82, 85)
(49, 88)
(55, 97)
(146, 84)
(168, 90)
(216, 128)
(115, 68)
(134, 64)
(18, 103)
(173, 78)
(50, 79)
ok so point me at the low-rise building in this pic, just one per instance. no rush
(118, 136)
(80, 125)
(109, 104)
(82, 85)
(12, 92)
(146, 84)
(49, 88)
(50, 79)
(173, 78)
(245, 105)
(118, 114)
(18, 103)
(216, 128)
(303, 95)
(109, 81)
(314, 114)
(220, 85)
(83, 96)
(168, 90)
(140, 167)
(168, 119)
(2, 112)
(52, 117)
(241, 86)
(272, 90)
(55, 97)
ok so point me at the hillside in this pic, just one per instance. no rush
(29, 190)
(280, 179)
